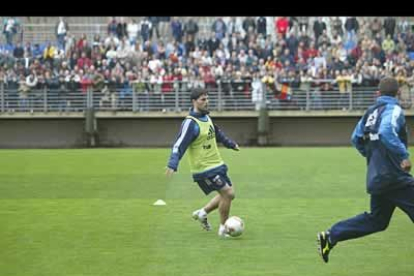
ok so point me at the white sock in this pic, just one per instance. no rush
(222, 228)
(202, 213)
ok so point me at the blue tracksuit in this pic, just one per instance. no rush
(188, 133)
(381, 137)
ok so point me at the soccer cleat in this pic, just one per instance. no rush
(202, 219)
(324, 245)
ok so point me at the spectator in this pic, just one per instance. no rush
(111, 40)
(257, 91)
(112, 26)
(49, 53)
(219, 28)
(145, 29)
(403, 26)
(121, 29)
(132, 30)
(177, 29)
(318, 27)
(262, 26)
(351, 26)
(10, 28)
(61, 29)
(323, 40)
(18, 51)
(154, 20)
(191, 30)
(337, 27)
(84, 61)
(388, 44)
(249, 25)
(235, 26)
(389, 26)
(376, 26)
(303, 23)
(343, 80)
(281, 26)
(336, 39)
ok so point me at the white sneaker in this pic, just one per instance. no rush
(202, 219)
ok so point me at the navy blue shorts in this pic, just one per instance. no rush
(214, 183)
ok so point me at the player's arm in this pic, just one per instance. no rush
(188, 133)
(393, 120)
(222, 138)
(357, 139)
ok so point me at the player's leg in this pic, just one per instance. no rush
(227, 195)
(213, 204)
(404, 199)
(201, 214)
(358, 226)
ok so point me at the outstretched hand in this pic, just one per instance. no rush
(406, 165)
(169, 172)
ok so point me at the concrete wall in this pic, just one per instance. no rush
(41, 133)
(162, 132)
(147, 132)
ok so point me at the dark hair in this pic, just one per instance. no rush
(388, 86)
(197, 92)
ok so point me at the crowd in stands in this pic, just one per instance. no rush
(242, 55)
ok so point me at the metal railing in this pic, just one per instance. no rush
(151, 97)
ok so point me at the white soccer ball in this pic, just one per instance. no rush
(234, 226)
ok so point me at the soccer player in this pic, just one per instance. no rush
(199, 135)
(381, 137)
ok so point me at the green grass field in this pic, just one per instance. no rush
(89, 212)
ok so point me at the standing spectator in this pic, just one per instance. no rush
(23, 90)
(69, 43)
(262, 26)
(10, 28)
(213, 44)
(337, 26)
(257, 91)
(235, 26)
(342, 79)
(351, 26)
(389, 26)
(318, 28)
(191, 30)
(403, 26)
(293, 25)
(145, 29)
(164, 23)
(121, 29)
(61, 29)
(177, 29)
(376, 26)
(303, 23)
(132, 30)
(281, 26)
(304, 89)
(154, 20)
(112, 26)
(31, 82)
(219, 28)
(249, 25)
